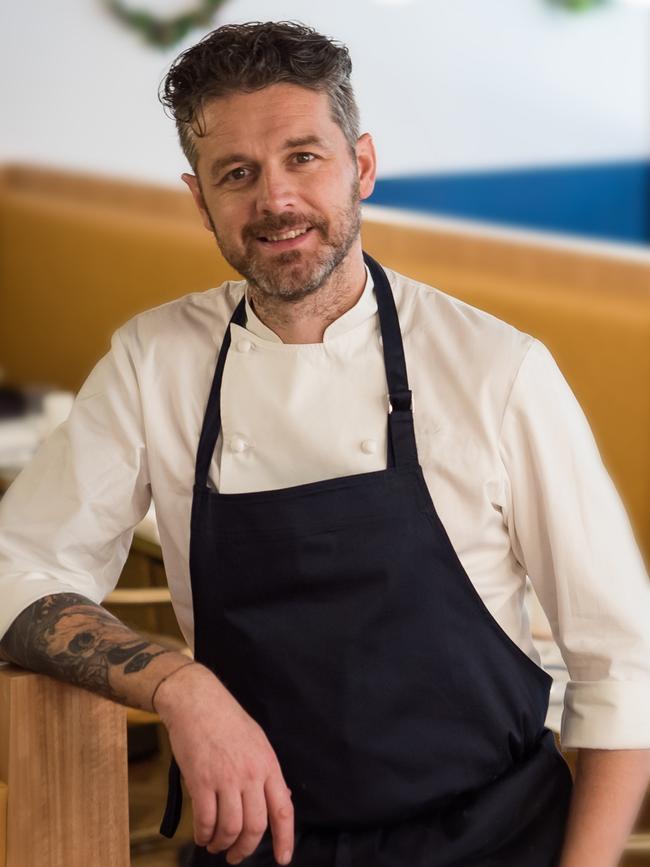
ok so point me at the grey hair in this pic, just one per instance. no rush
(248, 57)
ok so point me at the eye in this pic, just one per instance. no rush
(304, 157)
(237, 174)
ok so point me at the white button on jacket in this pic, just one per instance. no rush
(505, 450)
(238, 444)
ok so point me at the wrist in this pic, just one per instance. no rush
(162, 697)
(178, 692)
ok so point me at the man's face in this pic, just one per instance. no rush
(279, 187)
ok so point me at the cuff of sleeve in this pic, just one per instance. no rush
(26, 592)
(610, 715)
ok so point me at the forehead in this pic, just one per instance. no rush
(253, 123)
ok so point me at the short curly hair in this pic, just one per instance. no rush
(248, 57)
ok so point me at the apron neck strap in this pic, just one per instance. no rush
(402, 449)
(212, 418)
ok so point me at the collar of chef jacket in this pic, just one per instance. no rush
(365, 307)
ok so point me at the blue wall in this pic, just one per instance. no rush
(604, 201)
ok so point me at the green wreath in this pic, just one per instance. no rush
(578, 5)
(163, 32)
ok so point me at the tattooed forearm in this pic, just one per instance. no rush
(71, 638)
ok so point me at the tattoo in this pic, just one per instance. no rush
(140, 661)
(119, 655)
(71, 638)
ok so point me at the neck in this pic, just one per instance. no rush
(305, 321)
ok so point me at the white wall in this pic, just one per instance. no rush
(442, 84)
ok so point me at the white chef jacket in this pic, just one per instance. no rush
(507, 454)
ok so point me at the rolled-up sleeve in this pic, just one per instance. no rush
(571, 533)
(66, 523)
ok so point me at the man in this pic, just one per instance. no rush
(365, 691)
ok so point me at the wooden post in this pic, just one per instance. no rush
(63, 756)
(3, 824)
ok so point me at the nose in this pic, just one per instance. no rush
(275, 192)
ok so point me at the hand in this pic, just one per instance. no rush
(230, 769)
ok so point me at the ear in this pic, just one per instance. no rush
(193, 183)
(366, 165)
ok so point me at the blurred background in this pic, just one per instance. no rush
(514, 172)
(518, 111)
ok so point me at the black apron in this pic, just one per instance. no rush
(408, 725)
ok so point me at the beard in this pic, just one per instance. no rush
(294, 274)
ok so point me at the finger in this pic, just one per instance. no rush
(229, 820)
(204, 816)
(281, 819)
(255, 821)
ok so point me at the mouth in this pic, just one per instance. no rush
(287, 240)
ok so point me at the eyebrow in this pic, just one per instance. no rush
(302, 141)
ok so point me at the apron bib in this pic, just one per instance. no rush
(408, 725)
